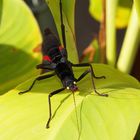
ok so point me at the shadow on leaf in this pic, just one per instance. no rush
(15, 67)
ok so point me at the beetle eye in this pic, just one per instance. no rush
(68, 88)
(74, 82)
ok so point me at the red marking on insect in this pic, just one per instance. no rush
(60, 48)
(46, 57)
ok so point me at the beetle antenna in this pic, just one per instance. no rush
(76, 114)
(62, 25)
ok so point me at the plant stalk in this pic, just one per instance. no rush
(130, 44)
(102, 34)
(111, 7)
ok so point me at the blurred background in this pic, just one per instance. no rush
(85, 31)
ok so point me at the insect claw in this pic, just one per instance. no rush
(22, 92)
(104, 77)
(103, 94)
(47, 126)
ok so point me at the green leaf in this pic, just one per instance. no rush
(68, 17)
(122, 14)
(137, 5)
(19, 34)
(1, 5)
(137, 136)
(110, 118)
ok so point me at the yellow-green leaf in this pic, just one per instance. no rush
(122, 14)
(137, 5)
(68, 18)
(19, 34)
(99, 118)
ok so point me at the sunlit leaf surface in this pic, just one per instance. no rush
(137, 5)
(99, 118)
(122, 15)
(68, 7)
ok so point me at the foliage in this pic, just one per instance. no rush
(122, 11)
(25, 116)
(130, 44)
(137, 4)
(125, 15)
(19, 34)
(68, 17)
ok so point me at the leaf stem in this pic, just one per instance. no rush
(130, 44)
(111, 6)
(102, 34)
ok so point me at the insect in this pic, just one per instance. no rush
(55, 60)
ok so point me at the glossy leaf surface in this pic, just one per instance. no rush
(68, 8)
(122, 15)
(19, 34)
(110, 118)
